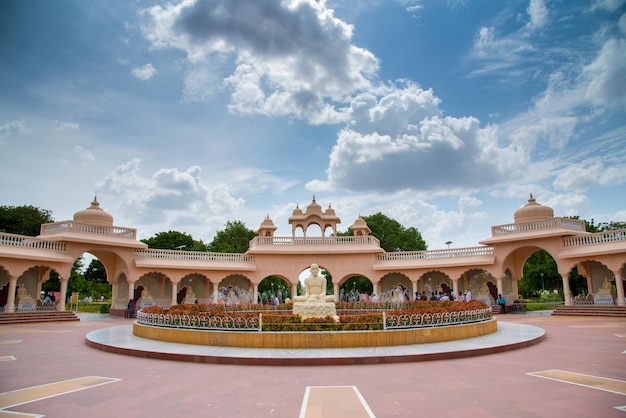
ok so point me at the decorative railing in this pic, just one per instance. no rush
(529, 226)
(597, 238)
(430, 254)
(192, 255)
(368, 240)
(417, 320)
(229, 323)
(255, 322)
(24, 241)
(71, 226)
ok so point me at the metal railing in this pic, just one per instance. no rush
(417, 320)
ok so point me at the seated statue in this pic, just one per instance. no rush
(315, 303)
(315, 288)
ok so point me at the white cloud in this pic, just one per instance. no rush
(588, 174)
(66, 126)
(608, 5)
(402, 141)
(538, 13)
(143, 73)
(607, 74)
(290, 57)
(13, 128)
(85, 157)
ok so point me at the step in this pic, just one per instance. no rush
(29, 317)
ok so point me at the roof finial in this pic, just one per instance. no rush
(313, 198)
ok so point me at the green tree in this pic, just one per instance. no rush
(174, 240)
(538, 264)
(23, 220)
(391, 234)
(96, 272)
(359, 283)
(234, 238)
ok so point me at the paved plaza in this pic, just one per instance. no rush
(578, 370)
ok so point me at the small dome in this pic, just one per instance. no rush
(313, 207)
(297, 211)
(94, 215)
(330, 211)
(532, 211)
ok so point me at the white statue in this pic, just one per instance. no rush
(315, 288)
(315, 303)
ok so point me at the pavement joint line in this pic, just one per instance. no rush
(7, 358)
(620, 335)
(10, 342)
(334, 401)
(594, 382)
(36, 393)
(11, 414)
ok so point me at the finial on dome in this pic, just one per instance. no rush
(531, 199)
(313, 198)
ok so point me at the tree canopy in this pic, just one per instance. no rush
(23, 220)
(234, 238)
(174, 240)
(392, 235)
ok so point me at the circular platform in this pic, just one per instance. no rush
(510, 336)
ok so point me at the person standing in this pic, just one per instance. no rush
(502, 302)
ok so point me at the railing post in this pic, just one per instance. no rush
(384, 321)
(260, 321)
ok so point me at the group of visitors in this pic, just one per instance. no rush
(444, 296)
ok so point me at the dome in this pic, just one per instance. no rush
(94, 215)
(532, 211)
(313, 207)
(297, 211)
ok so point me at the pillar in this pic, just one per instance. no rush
(500, 286)
(620, 287)
(589, 284)
(376, 288)
(414, 283)
(336, 292)
(294, 291)
(114, 296)
(131, 290)
(515, 288)
(11, 294)
(174, 294)
(566, 291)
(255, 293)
(63, 296)
(216, 289)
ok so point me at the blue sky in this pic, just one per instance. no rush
(442, 114)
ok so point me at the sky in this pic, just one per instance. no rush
(443, 115)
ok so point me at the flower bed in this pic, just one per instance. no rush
(352, 316)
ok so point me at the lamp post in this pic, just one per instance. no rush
(448, 243)
(542, 287)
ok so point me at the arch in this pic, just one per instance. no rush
(274, 286)
(355, 287)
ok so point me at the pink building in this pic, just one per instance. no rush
(162, 277)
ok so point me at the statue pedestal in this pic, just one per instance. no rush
(27, 303)
(603, 297)
(315, 310)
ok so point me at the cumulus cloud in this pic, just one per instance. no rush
(588, 174)
(607, 74)
(289, 57)
(143, 73)
(13, 128)
(403, 141)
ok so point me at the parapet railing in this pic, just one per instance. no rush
(529, 226)
(192, 255)
(597, 238)
(71, 226)
(368, 240)
(430, 254)
(24, 241)
(403, 321)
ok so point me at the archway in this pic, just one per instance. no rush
(356, 288)
(273, 289)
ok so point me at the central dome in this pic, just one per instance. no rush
(533, 211)
(94, 215)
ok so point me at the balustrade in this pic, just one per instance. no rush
(71, 226)
(597, 238)
(529, 226)
(359, 240)
(23, 241)
(192, 255)
(433, 254)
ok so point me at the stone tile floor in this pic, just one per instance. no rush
(578, 370)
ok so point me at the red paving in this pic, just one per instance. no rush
(493, 385)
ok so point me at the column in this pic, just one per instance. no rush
(216, 289)
(174, 294)
(500, 286)
(294, 291)
(131, 290)
(11, 294)
(566, 291)
(515, 288)
(590, 289)
(620, 287)
(255, 293)
(114, 296)
(336, 291)
(376, 288)
(63, 296)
